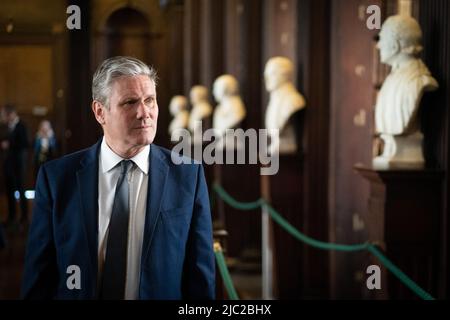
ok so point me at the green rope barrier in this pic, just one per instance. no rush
(236, 204)
(312, 242)
(324, 245)
(414, 287)
(232, 294)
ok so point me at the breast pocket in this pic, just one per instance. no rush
(174, 227)
(184, 210)
(172, 232)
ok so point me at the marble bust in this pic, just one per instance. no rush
(396, 111)
(230, 110)
(178, 109)
(201, 111)
(284, 102)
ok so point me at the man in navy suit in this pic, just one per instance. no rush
(120, 220)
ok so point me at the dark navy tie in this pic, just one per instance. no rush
(115, 266)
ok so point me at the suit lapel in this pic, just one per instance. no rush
(158, 170)
(87, 178)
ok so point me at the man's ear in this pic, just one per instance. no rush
(99, 112)
(396, 46)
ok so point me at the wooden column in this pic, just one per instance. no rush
(243, 45)
(176, 49)
(285, 189)
(82, 128)
(191, 40)
(212, 41)
(433, 18)
(313, 79)
(403, 219)
(354, 64)
(241, 49)
(211, 66)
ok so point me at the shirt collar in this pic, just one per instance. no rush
(110, 159)
(14, 123)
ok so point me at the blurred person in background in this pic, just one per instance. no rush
(15, 145)
(44, 145)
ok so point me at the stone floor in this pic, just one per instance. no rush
(12, 260)
(245, 273)
(247, 285)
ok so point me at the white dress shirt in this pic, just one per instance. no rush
(108, 175)
(13, 124)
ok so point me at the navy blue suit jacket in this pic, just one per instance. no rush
(177, 254)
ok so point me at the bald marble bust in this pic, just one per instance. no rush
(230, 110)
(396, 111)
(284, 102)
(178, 109)
(201, 111)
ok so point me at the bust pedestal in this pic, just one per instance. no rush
(401, 152)
(284, 256)
(403, 219)
(241, 181)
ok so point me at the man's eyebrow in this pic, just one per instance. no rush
(133, 98)
(129, 98)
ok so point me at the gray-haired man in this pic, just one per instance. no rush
(119, 220)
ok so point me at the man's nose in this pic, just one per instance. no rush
(143, 110)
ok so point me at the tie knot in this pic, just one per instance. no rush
(125, 166)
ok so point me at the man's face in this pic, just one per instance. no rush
(272, 78)
(9, 117)
(218, 91)
(130, 122)
(176, 105)
(194, 96)
(388, 46)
